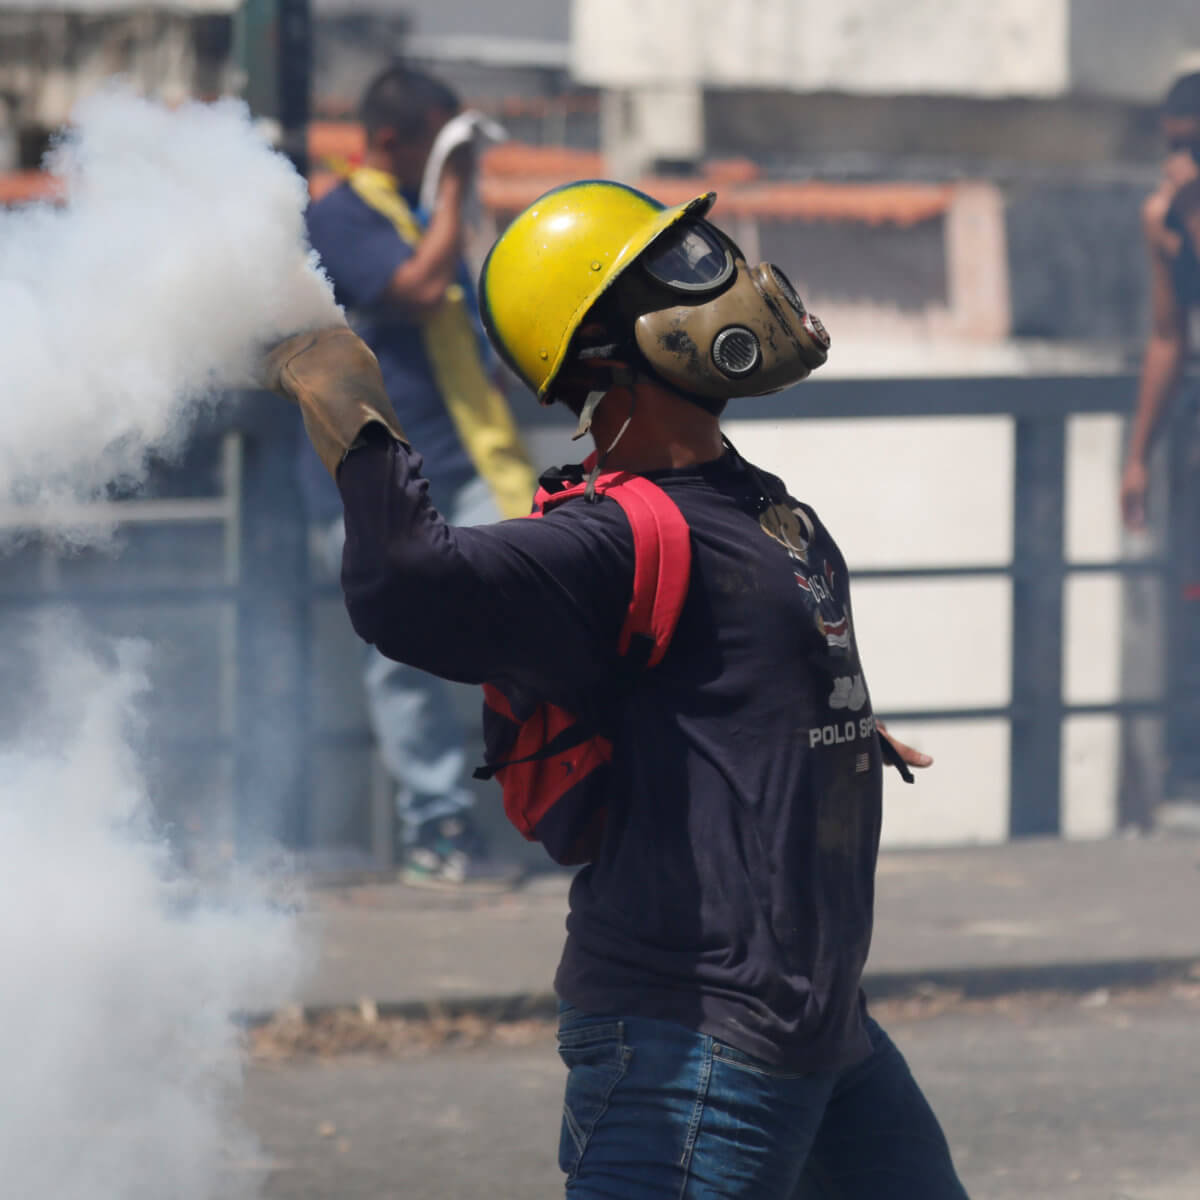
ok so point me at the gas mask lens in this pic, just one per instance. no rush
(811, 322)
(784, 284)
(689, 258)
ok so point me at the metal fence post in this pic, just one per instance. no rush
(271, 769)
(294, 21)
(1037, 628)
(273, 46)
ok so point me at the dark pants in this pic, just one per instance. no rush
(655, 1111)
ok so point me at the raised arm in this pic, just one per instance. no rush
(539, 602)
(373, 268)
(418, 285)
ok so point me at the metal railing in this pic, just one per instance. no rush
(258, 719)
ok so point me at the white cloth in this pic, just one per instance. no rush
(470, 126)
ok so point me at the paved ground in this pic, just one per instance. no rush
(1029, 905)
(1092, 1098)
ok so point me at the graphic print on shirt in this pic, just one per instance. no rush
(848, 692)
(790, 527)
(793, 529)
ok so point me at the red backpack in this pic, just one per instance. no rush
(552, 765)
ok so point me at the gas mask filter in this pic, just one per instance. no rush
(726, 329)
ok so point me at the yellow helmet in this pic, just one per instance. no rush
(557, 259)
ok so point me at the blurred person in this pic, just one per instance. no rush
(1171, 223)
(712, 1021)
(400, 273)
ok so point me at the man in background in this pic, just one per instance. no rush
(1171, 223)
(399, 272)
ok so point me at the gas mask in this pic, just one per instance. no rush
(710, 325)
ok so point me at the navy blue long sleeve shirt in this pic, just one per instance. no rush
(733, 890)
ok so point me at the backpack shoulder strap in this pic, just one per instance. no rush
(662, 548)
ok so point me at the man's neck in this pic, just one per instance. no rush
(665, 431)
(665, 456)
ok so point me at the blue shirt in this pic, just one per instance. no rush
(360, 249)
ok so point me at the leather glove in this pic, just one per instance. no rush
(334, 378)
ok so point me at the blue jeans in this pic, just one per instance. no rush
(413, 715)
(655, 1110)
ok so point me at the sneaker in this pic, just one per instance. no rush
(450, 854)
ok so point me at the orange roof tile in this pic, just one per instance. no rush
(520, 160)
(902, 204)
(344, 141)
(514, 174)
(25, 187)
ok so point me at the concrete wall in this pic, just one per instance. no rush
(1016, 47)
(925, 62)
(1116, 48)
(50, 59)
(525, 20)
(925, 137)
(1077, 259)
(1004, 48)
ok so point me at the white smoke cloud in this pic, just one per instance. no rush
(178, 255)
(121, 1065)
(175, 258)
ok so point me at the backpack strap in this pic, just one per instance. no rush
(662, 545)
(891, 758)
(662, 554)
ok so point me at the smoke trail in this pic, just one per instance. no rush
(120, 1063)
(178, 254)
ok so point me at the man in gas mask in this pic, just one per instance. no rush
(712, 1021)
